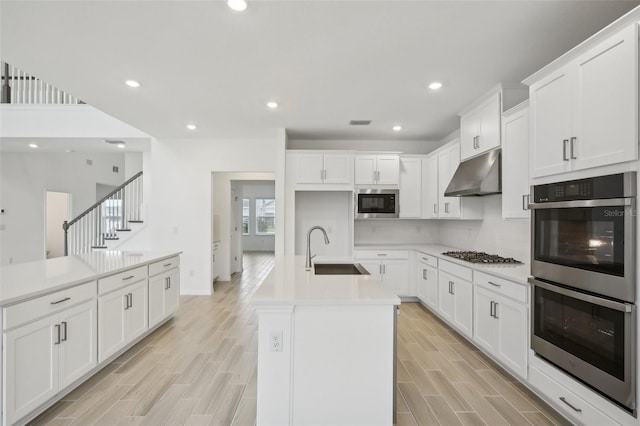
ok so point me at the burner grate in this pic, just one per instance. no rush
(481, 257)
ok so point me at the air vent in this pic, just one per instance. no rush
(360, 122)
(89, 162)
(115, 169)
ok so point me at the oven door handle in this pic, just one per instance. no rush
(582, 203)
(618, 306)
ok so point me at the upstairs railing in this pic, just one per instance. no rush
(102, 221)
(21, 88)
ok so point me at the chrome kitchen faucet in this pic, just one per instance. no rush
(307, 264)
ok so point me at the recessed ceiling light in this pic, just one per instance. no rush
(435, 85)
(121, 145)
(191, 126)
(68, 150)
(272, 105)
(132, 83)
(397, 128)
(238, 5)
(33, 145)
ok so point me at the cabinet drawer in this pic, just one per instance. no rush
(114, 282)
(164, 265)
(427, 259)
(505, 287)
(568, 402)
(381, 254)
(457, 270)
(46, 305)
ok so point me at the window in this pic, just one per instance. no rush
(245, 216)
(265, 216)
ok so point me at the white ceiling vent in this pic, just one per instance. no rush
(360, 122)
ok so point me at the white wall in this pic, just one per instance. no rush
(57, 209)
(178, 196)
(24, 180)
(132, 164)
(253, 190)
(396, 231)
(494, 235)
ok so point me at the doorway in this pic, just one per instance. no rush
(57, 210)
(235, 232)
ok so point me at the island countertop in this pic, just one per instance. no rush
(27, 280)
(290, 284)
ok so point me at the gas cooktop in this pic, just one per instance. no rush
(481, 257)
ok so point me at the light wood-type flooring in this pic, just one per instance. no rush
(200, 369)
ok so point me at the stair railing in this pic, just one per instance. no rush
(19, 87)
(101, 222)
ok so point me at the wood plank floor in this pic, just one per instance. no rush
(200, 369)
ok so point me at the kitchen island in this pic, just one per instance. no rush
(325, 347)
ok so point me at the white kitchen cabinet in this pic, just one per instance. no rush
(515, 162)
(390, 266)
(411, 187)
(501, 325)
(163, 295)
(463, 306)
(480, 127)
(448, 161)
(323, 168)
(429, 186)
(122, 316)
(377, 169)
(427, 280)
(455, 295)
(584, 113)
(43, 357)
(446, 301)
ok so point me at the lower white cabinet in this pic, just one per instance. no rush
(455, 301)
(391, 266)
(123, 316)
(47, 355)
(163, 296)
(427, 288)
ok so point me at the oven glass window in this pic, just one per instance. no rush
(591, 332)
(377, 203)
(590, 238)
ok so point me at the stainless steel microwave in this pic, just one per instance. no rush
(376, 203)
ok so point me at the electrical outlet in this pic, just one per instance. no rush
(275, 341)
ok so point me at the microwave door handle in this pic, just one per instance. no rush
(583, 203)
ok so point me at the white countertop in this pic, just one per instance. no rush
(289, 284)
(27, 280)
(518, 273)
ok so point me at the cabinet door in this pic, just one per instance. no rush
(172, 293)
(410, 187)
(78, 349)
(448, 162)
(309, 168)
(606, 103)
(515, 164)
(485, 325)
(489, 116)
(430, 187)
(30, 367)
(396, 276)
(136, 321)
(469, 133)
(512, 345)
(445, 297)
(338, 168)
(388, 167)
(374, 267)
(463, 301)
(432, 287)
(365, 169)
(157, 292)
(551, 124)
(111, 323)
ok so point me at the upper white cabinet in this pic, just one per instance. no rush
(480, 127)
(321, 168)
(515, 162)
(448, 161)
(380, 169)
(584, 113)
(411, 187)
(430, 187)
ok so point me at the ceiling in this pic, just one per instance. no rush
(324, 62)
(93, 145)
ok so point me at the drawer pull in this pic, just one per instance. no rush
(578, 410)
(382, 254)
(128, 278)
(494, 284)
(61, 300)
(425, 259)
(167, 264)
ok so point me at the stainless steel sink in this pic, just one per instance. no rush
(339, 269)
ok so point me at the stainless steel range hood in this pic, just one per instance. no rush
(480, 175)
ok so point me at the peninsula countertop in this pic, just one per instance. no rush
(289, 284)
(27, 280)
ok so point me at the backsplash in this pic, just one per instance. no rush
(395, 231)
(493, 234)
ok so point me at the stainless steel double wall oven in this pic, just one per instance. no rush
(583, 262)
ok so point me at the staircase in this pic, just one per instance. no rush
(105, 221)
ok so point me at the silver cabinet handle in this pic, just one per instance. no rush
(130, 300)
(435, 208)
(167, 264)
(451, 287)
(126, 301)
(64, 331)
(382, 254)
(128, 278)
(57, 342)
(494, 284)
(495, 310)
(384, 268)
(564, 149)
(424, 274)
(578, 410)
(380, 268)
(446, 207)
(525, 202)
(491, 308)
(573, 142)
(167, 283)
(61, 300)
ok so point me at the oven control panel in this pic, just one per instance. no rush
(601, 187)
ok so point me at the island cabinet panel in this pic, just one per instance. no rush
(78, 354)
(390, 266)
(163, 296)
